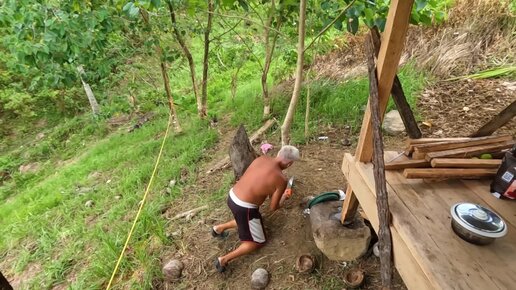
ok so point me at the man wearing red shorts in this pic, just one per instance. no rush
(264, 178)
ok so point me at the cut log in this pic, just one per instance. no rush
(406, 164)
(465, 163)
(470, 173)
(241, 152)
(470, 151)
(441, 146)
(225, 162)
(418, 156)
(498, 121)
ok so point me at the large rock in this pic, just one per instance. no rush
(393, 124)
(337, 242)
(259, 279)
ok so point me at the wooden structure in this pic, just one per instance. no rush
(426, 251)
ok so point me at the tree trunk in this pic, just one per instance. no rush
(4, 284)
(269, 50)
(172, 107)
(187, 54)
(204, 97)
(89, 93)
(384, 233)
(498, 121)
(285, 128)
(234, 83)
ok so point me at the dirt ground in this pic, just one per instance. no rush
(459, 108)
(288, 231)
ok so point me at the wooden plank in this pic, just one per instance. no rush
(441, 146)
(470, 151)
(410, 142)
(407, 266)
(420, 199)
(496, 260)
(396, 165)
(498, 121)
(418, 156)
(439, 269)
(407, 116)
(388, 60)
(465, 163)
(448, 173)
(505, 208)
(349, 206)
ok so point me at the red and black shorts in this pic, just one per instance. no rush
(248, 219)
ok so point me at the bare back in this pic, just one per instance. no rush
(263, 178)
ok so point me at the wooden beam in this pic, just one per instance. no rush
(498, 121)
(388, 60)
(469, 173)
(470, 151)
(411, 163)
(411, 142)
(441, 146)
(407, 116)
(384, 234)
(465, 163)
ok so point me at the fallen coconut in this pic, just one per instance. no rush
(354, 278)
(172, 270)
(305, 264)
(259, 279)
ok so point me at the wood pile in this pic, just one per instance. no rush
(438, 158)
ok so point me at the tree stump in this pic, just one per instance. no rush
(241, 152)
(4, 284)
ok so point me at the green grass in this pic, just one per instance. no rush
(45, 221)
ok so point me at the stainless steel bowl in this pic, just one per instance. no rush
(477, 224)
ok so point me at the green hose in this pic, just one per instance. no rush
(324, 197)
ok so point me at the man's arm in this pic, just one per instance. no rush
(277, 195)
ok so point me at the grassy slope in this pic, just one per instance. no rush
(45, 221)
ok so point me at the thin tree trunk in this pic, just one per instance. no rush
(307, 112)
(384, 233)
(4, 284)
(234, 83)
(89, 93)
(285, 128)
(187, 54)
(172, 107)
(204, 97)
(269, 50)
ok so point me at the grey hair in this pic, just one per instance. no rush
(289, 152)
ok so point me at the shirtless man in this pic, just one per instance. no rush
(264, 178)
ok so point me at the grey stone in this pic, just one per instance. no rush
(393, 124)
(337, 242)
(172, 270)
(259, 279)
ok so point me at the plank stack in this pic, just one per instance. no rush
(461, 158)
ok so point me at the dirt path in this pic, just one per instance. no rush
(288, 231)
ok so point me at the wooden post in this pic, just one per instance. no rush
(4, 284)
(388, 60)
(407, 116)
(498, 121)
(384, 233)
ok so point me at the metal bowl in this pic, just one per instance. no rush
(476, 224)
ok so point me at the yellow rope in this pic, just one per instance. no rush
(141, 205)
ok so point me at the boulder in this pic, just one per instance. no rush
(338, 242)
(172, 270)
(393, 124)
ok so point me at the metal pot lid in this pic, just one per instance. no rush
(479, 220)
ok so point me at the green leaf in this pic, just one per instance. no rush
(155, 3)
(420, 4)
